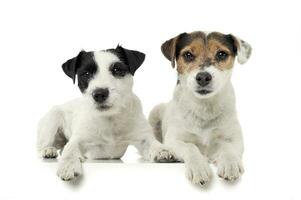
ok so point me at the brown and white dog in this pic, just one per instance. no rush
(200, 122)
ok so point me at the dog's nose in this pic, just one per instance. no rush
(203, 78)
(100, 94)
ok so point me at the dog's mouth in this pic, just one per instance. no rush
(104, 107)
(203, 91)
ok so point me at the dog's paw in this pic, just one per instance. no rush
(70, 169)
(199, 174)
(49, 152)
(162, 155)
(230, 170)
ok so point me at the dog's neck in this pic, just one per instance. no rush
(207, 108)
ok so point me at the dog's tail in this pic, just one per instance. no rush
(155, 120)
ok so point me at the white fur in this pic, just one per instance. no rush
(96, 134)
(202, 128)
(220, 78)
(243, 52)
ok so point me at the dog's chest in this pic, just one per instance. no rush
(112, 131)
(201, 118)
(201, 123)
(109, 139)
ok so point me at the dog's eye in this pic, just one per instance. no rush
(119, 69)
(188, 56)
(85, 74)
(221, 55)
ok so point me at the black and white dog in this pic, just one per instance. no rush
(105, 120)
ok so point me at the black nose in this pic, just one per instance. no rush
(100, 94)
(203, 78)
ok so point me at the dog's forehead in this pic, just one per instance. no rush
(104, 59)
(185, 40)
(225, 40)
(204, 40)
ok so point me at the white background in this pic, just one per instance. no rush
(36, 37)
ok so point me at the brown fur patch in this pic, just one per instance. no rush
(198, 48)
(203, 48)
(213, 46)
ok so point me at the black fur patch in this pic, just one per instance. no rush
(119, 69)
(83, 66)
(86, 71)
(183, 40)
(133, 59)
(226, 40)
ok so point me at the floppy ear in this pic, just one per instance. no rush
(169, 48)
(132, 58)
(244, 50)
(71, 65)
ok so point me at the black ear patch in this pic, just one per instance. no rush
(70, 66)
(230, 39)
(132, 58)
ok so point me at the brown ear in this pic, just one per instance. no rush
(168, 49)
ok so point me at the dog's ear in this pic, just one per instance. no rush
(169, 48)
(71, 65)
(132, 58)
(244, 49)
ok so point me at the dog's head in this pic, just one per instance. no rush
(205, 60)
(105, 77)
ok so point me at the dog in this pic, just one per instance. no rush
(105, 120)
(200, 124)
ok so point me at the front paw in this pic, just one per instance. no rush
(199, 173)
(162, 155)
(230, 170)
(70, 169)
(49, 152)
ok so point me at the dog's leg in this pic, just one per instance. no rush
(198, 170)
(150, 148)
(70, 163)
(48, 129)
(228, 155)
(155, 120)
(228, 161)
(154, 151)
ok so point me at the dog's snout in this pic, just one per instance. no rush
(100, 94)
(203, 78)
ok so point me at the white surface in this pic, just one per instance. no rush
(36, 37)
